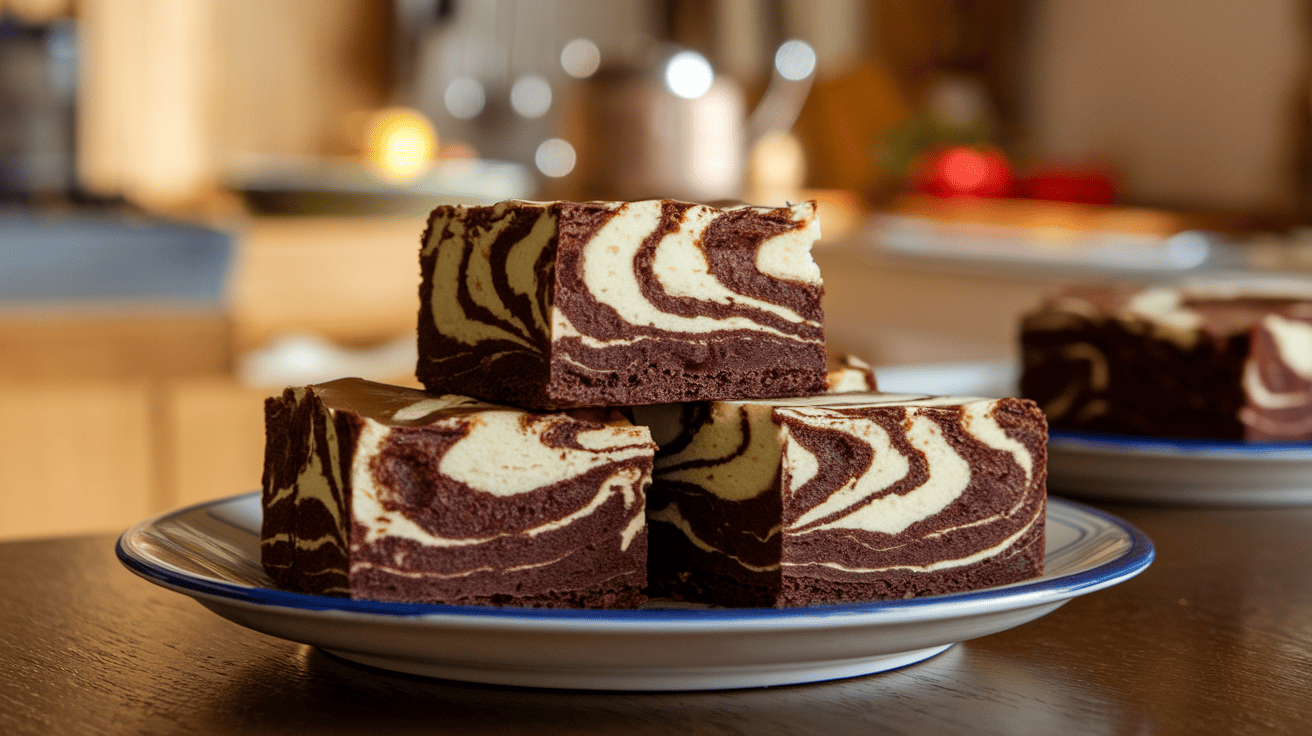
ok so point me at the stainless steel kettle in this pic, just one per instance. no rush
(675, 129)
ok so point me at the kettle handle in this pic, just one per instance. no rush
(779, 107)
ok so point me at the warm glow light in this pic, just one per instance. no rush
(555, 157)
(776, 168)
(400, 143)
(689, 75)
(580, 58)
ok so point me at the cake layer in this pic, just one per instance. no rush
(844, 497)
(1221, 360)
(608, 304)
(388, 493)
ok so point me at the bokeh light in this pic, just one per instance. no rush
(795, 60)
(399, 143)
(580, 58)
(464, 98)
(555, 157)
(689, 75)
(530, 96)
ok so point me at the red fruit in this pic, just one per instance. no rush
(963, 171)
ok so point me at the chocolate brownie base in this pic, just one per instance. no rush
(386, 493)
(842, 498)
(1205, 360)
(610, 304)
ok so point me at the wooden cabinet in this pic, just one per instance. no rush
(354, 280)
(84, 455)
(75, 456)
(96, 413)
(112, 412)
(210, 440)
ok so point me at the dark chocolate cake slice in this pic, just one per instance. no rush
(1208, 359)
(608, 304)
(842, 498)
(387, 493)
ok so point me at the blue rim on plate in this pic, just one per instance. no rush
(1130, 562)
(1180, 445)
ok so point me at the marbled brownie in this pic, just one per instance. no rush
(388, 493)
(846, 497)
(1208, 359)
(848, 374)
(565, 304)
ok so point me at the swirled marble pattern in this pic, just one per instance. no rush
(388, 493)
(1218, 360)
(566, 304)
(844, 497)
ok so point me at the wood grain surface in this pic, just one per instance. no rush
(1215, 637)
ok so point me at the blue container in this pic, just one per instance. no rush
(94, 257)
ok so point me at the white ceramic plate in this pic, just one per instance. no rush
(1125, 468)
(211, 553)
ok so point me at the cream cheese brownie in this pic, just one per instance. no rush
(387, 493)
(844, 497)
(564, 304)
(848, 374)
(1210, 359)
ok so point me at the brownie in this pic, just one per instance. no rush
(388, 493)
(565, 304)
(1206, 359)
(848, 374)
(844, 498)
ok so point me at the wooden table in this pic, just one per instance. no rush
(1215, 637)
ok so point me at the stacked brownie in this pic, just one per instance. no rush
(632, 399)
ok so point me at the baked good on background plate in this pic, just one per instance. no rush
(1221, 359)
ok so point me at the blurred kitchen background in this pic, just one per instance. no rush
(202, 201)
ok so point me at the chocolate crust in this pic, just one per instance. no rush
(598, 575)
(676, 370)
(1022, 561)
